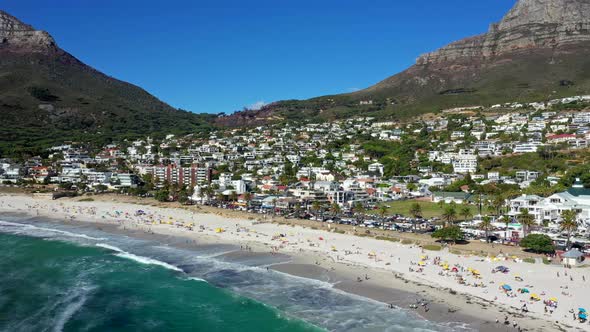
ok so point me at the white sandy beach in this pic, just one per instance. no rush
(374, 258)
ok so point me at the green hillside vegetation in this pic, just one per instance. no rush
(49, 99)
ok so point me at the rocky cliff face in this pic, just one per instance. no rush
(531, 24)
(19, 37)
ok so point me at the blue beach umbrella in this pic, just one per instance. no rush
(583, 316)
(507, 287)
(581, 310)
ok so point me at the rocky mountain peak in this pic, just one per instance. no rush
(560, 12)
(530, 24)
(16, 36)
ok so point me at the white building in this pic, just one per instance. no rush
(549, 209)
(465, 163)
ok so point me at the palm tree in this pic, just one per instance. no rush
(316, 206)
(449, 215)
(220, 197)
(478, 200)
(359, 210)
(248, 198)
(485, 225)
(382, 211)
(526, 219)
(335, 209)
(466, 212)
(569, 224)
(209, 192)
(506, 220)
(416, 212)
(496, 204)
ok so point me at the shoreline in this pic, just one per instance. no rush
(384, 285)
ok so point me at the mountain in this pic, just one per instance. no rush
(48, 96)
(540, 50)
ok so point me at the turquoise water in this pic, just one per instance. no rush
(66, 277)
(55, 286)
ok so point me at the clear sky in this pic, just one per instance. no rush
(221, 55)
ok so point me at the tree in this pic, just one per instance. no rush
(208, 190)
(496, 204)
(539, 243)
(451, 233)
(359, 210)
(248, 198)
(289, 175)
(466, 211)
(416, 212)
(506, 220)
(335, 209)
(101, 187)
(485, 225)
(65, 185)
(220, 197)
(569, 224)
(527, 220)
(162, 195)
(449, 215)
(183, 197)
(316, 206)
(233, 196)
(382, 211)
(411, 187)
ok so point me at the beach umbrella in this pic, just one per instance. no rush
(421, 263)
(581, 310)
(524, 290)
(507, 287)
(553, 299)
(583, 316)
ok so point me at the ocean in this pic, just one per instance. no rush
(62, 277)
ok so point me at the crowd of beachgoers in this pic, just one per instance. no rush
(548, 292)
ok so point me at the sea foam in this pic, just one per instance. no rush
(32, 229)
(140, 259)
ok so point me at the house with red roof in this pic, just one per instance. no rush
(561, 138)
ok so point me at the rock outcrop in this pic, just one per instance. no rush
(531, 24)
(19, 37)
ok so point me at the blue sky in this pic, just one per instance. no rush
(221, 55)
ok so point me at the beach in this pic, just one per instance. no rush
(385, 271)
